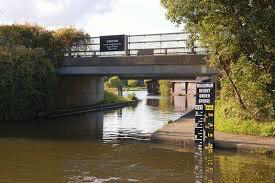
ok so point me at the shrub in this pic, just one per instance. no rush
(132, 83)
(70, 39)
(114, 82)
(28, 57)
(111, 98)
(164, 87)
(224, 122)
(27, 82)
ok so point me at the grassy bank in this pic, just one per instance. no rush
(227, 124)
(112, 98)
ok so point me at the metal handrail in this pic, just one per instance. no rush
(171, 33)
(162, 41)
(140, 42)
(168, 48)
(137, 42)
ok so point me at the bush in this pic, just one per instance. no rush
(114, 82)
(253, 90)
(28, 57)
(132, 83)
(164, 87)
(26, 84)
(70, 39)
(111, 98)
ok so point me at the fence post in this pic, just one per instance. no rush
(126, 45)
(69, 52)
(193, 47)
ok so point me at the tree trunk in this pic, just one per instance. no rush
(233, 84)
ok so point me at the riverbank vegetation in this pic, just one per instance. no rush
(164, 87)
(29, 55)
(235, 125)
(112, 86)
(112, 98)
(114, 83)
(132, 83)
(240, 37)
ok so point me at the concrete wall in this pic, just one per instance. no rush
(184, 87)
(192, 89)
(179, 88)
(79, 91)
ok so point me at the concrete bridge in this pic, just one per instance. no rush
(163, 56)
(146, 67)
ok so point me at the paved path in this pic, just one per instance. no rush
(181, 132)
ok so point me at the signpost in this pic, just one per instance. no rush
(204, 116)
(113, 43)
(204, 132)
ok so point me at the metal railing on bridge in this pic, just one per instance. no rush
(145, 44)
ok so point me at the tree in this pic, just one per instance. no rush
(70, 39)
(26, 84)
(132, 83)
(28, 57)
(240, 36)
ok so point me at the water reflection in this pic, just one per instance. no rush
(179, 103)
(135, 122)
(119, 113)
(184, 102)
(71, 150)
(152, 102)
(204, 165)
(131, 162)
(89, 125)
(90, 161)
(141, 121)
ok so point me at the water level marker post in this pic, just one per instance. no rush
(204, 115)
(204, 132)
(199, 124)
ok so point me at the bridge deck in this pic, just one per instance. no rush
(172, 66)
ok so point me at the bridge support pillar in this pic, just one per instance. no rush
(79, 91)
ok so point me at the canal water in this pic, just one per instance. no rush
(114, 146)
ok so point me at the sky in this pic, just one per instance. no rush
(96, 17)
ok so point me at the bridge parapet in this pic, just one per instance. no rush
(188, 59)
(145, 44)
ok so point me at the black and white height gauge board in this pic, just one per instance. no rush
(204, 116)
